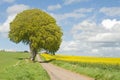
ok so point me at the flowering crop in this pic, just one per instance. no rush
(106, 60)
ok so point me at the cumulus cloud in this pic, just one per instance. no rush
(68, 2)
(54, 7)
(94, 39)
(12, 11)
(111, 11)
(69, 46)
(111, 32)
(82, 31)
(75, 47)
(106, 37)
(108, 30)
(109, 24)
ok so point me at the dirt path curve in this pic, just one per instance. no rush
(57, 73)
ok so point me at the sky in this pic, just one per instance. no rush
(90, 27)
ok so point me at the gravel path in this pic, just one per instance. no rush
(57, 73)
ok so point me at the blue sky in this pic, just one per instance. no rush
(90, 27)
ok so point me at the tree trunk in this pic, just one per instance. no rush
(53, 53)
(33, 53)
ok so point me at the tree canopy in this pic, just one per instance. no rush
(36, 28)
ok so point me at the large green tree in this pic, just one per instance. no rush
(37, 29)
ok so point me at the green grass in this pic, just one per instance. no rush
(14, 66)
(97, 71)
(9, 58)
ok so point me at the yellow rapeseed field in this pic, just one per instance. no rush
(106, 60)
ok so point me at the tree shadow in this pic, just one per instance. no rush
(21, 58)
(44, 61)
(47, 61)
(28, 59)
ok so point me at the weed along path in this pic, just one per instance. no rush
(57, 73)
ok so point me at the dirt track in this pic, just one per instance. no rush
(57, 73)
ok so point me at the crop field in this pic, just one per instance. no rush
(100, 68)
(15, 66)
(106, 60)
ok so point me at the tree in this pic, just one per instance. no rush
(37, 29)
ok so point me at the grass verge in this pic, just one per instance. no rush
(97, 71)
(26, 71)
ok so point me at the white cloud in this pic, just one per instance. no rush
(109, 24)
(83, 10)
(60, 17)
(54, 7)
(67, 2)
(69, 46)
(82, 31)
(105, 37)
(12, 11)
(111, 11)
(16, 9)
(5, 26)
(108, 30)
(76, 14)
(75, 47)
(84, 26)
(94, 39)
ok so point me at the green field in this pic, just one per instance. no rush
(14, 66)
